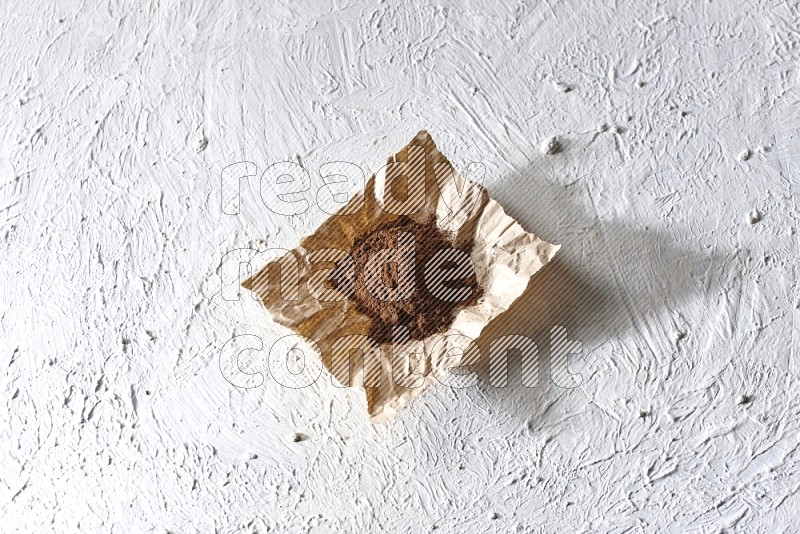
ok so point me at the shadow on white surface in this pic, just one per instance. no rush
(614, 282)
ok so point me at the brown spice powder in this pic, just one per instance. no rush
(389, 285)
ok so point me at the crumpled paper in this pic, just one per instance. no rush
(417, 181)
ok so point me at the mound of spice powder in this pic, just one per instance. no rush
(389, 283)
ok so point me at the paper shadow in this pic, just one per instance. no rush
(613, 277)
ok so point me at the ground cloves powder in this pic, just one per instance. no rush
(388, 269)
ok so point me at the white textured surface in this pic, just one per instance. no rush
(675, 122)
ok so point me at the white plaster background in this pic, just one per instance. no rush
(116, 121)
